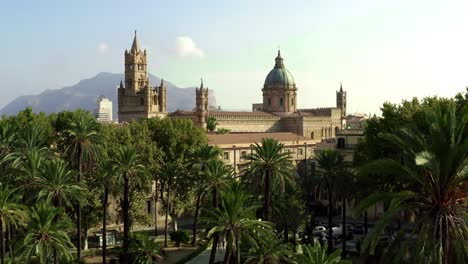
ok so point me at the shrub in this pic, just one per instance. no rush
(179, 236)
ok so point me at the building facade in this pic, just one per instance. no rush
(277, 113)
(103, 109)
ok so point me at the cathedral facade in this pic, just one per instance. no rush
(277, 113)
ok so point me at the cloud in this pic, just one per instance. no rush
(185, 47)
(103, 47)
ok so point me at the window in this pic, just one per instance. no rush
(292, 101)
(341, 143)
(269, 101)
(312, 135)
(131, 67)
(300, 151)
(243, 154)
(148, 207)
(281, 101)
(226, 155)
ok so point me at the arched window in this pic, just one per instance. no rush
(269, 101)
(281, 101)
(336, 130)
(312, 135)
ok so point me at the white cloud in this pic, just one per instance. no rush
(103, 47)
(185, 46)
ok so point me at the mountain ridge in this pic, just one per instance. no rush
(85, 93)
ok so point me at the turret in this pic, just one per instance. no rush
(162, 97)
(201, 105)
(341, 102)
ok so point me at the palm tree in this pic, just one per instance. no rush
(434, 170)
(203, 154)
(318, 255)
(7, 138)
(235, 220)
(46, 236)
(269, 251)
(330, 163)
(27, 167)
(145, 250)
(82, 151)
(12, 214)
(218, 175)
(31, 137)
(345, 183)
(57, 184)
(105, 180)
(270, 167)
(130, 172)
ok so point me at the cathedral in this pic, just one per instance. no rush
(278, 111)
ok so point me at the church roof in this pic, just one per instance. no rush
(252, 138)
(135, 45)
(240, 113)
(279, 75)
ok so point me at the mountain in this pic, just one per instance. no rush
(85, 93)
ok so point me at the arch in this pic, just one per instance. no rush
(336, 130)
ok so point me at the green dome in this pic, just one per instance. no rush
(279, 76)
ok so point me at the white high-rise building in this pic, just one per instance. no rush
(104, 109)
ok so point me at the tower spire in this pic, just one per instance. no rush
(201, 84)
(135, 46)
(341, 87)
(121, 84)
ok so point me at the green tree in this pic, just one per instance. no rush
(203, 154)
(211, 124)
(269, 251)
(46, 236)
(235, 220)
(12, 214)
(345, 189)
(144, 250)
(289, 212)
(105, 181)
(179, 236)
(131, 174)
(81, 148)
(218, 177)
(330, 163)
(318, 255)
(56, 184)
(433, 168)
(270, 167)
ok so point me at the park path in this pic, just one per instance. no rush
(204, 257)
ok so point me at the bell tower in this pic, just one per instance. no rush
(135, 67)
(341, 102)
(201, 105)
(136, 97)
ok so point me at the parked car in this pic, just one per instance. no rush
(319, 229)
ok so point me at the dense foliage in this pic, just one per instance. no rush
(64, 174)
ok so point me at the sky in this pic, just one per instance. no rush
(380, 50)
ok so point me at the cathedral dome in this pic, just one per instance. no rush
(279, 76)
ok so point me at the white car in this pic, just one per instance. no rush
(319, 229)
